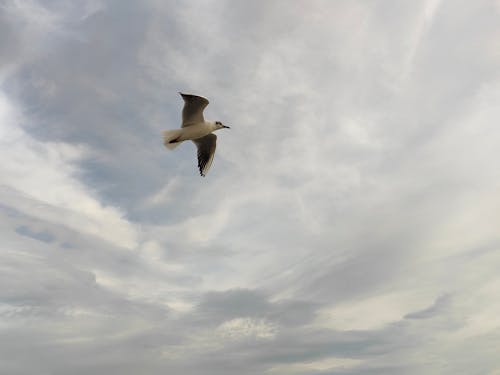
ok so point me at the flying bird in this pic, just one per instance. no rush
(196, 129)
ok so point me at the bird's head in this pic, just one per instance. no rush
(220, 125)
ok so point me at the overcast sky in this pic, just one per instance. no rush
(350, 221)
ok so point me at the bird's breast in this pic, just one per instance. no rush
(195, 131)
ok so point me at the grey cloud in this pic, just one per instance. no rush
(49, 291)
(43, 236)
(233, 303)
(305, 345)
(441, 303)
(88, 90)
(217, 307)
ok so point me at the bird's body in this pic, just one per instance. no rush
(195, 131)
(195, 128)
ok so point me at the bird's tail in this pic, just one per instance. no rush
(170, 138)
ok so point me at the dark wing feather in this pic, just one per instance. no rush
(192, 112)
(206, 151)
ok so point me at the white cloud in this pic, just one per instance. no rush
(241, 328)
(374, 312)
(41, 179)
(329, 364)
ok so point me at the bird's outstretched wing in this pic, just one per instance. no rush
(192, 112)
(206, 150)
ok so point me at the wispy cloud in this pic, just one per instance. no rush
(349, 224)
(41, 178)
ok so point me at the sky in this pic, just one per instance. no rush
(348, 225)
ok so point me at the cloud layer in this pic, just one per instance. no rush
(349, 224)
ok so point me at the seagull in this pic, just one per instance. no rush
(196, 129)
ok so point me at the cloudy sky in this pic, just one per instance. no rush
(350, 221)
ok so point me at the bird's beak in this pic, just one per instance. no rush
(227, 127)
